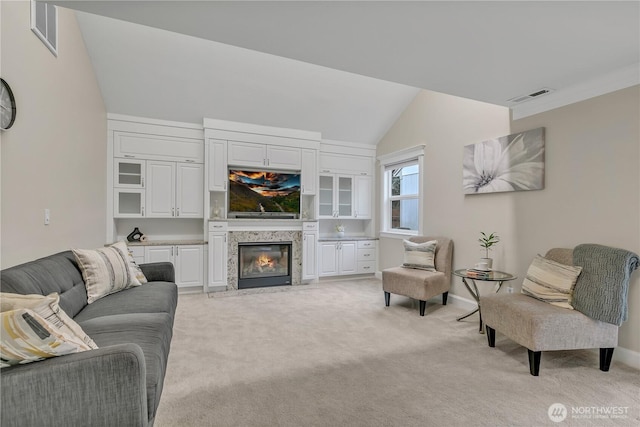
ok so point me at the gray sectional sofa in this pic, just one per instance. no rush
(118, 384)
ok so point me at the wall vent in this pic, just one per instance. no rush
(537, 93)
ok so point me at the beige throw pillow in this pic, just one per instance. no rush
(136, 271)
(420, 255)
(34, 327)
(106, 270)
(551, 282)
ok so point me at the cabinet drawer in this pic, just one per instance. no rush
(310, 226)
(218, 226)
(366, 254)
(366, 244)
(366, 267)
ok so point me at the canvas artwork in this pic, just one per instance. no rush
(509, 163)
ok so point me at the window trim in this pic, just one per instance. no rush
(44, 38)
(397, 158)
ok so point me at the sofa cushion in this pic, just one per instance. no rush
(56, 273)
(152, 297)
(550, 281)
(420, 255)
(105, 270)
(151, 331)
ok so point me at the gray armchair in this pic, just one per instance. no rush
(600, 298)
(421, 284)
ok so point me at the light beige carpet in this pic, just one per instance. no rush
(333, 355)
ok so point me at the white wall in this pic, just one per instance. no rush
(445, 124)
(591, 195)
(54, 156)
(592, 192)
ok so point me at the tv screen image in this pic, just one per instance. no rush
(251, 191)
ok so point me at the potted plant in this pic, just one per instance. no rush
(340, 230)
(486, 242)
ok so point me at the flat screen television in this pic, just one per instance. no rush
(261, 193)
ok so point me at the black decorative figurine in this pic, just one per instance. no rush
(135, 235)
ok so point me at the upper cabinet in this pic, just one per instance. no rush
(133, 145)
(174, 190)
(309, 178)
(263, 156)
(129, 173)
(218, 175)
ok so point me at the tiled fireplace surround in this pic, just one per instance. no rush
(293, 236)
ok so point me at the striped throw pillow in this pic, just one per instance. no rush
(27, 337)
(550, 281)
(105, 271)
(420, 255)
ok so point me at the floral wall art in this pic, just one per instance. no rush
(509, 163)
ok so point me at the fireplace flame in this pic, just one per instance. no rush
(263, 260)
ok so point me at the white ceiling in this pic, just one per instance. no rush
(488, 51)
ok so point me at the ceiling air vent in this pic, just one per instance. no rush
(536, 94)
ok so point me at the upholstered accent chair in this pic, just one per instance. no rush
(540, 326)
(421, 284)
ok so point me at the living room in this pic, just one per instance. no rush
(55, 157)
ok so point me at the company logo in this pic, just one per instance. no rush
(557, 412)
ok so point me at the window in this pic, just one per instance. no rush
(402, 192)
(44, 23)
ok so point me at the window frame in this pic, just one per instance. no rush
(406, 157)
(45, 38)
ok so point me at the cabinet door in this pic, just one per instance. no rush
(363, 196)
(347, 258)
(158, 254)
(128, 173)
(218, 259)
(309, 172)
(328, 259)
(309, 257)
(160, 192)
(345, 196)
(128, 203)
(189, 190)
(246, 154)
(218, 173)
(326, 199)
(189, 265)
(283, 157)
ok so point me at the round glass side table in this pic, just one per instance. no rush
(497, 277)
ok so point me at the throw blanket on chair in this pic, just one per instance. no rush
(602, 287)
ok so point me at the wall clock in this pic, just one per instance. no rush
(7, 106)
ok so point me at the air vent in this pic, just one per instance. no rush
(537, 93)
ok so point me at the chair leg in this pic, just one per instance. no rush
(605, 358)
(534, 362)
(491, 336)
(387, 297)
(444, 298)
(423, 305)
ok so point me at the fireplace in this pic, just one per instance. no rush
(264, 264)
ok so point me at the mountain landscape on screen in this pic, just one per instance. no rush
(251, 191)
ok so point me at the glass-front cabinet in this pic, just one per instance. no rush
(336, 196)
(128, 186)
(129, 173)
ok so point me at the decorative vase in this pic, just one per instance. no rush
(340, 233)
(489, 262)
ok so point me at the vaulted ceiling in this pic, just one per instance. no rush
(347, 69)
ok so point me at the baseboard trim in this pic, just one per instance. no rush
(628, 357)
(462, 302)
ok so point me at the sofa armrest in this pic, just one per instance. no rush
(103, 387)
(159, 272)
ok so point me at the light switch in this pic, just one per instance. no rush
(47, 216)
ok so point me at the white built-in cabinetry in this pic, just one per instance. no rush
(309, 250)
(345, 257)
(248, 154)
(188, 261)
(218, 255)
(175, 189)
